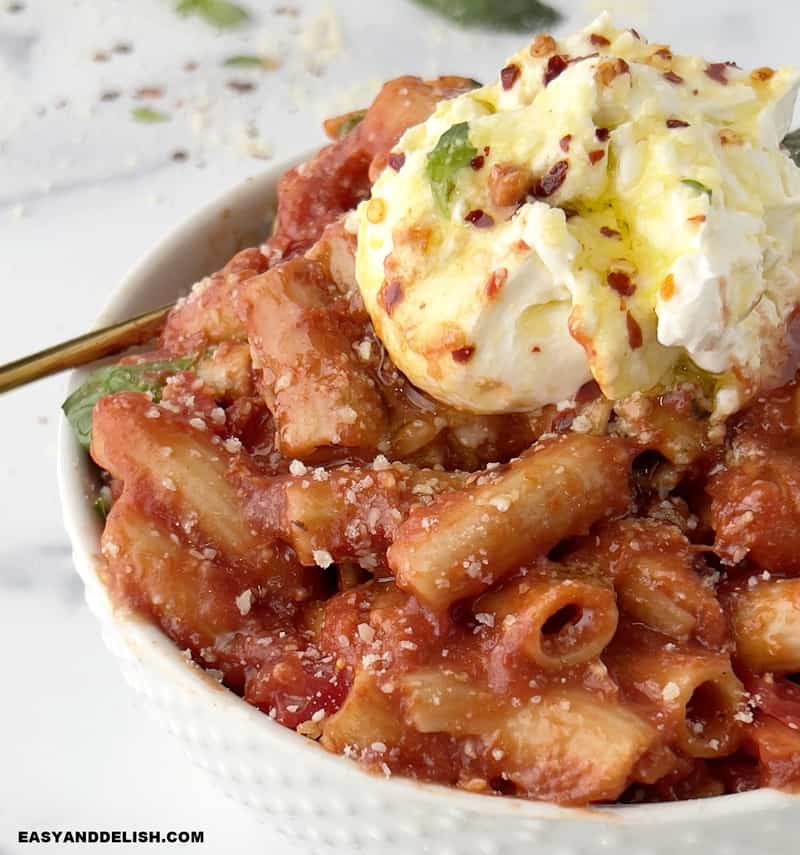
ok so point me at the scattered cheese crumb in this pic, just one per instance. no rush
(322, 558)
(244, 602)
(380, 463)
(298, 468)
(366, 633)
(670, 691)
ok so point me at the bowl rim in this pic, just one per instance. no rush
(82, 527)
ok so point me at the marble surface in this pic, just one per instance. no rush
(84, 192)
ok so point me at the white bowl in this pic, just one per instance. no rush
(326, 801)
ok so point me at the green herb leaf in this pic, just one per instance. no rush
(517, 16)
(696, 186)
(148, 115)
(218, 13)
(244, 61)
(102, 507)
(352, 120)
(144, 377)
(791, 142)
(453, 152)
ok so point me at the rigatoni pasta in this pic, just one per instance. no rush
(553, 614)
(765, 617)
(558, 491)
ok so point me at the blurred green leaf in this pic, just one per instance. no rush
(102, 507)
(513, 15)
(218, 13)
(352, 121)
(148, 116)
(244, 61)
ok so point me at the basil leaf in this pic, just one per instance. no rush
(791, 142)
(453, 152)
(696, 186)
(518, 16)
(144, 377)
(148, 116)
(218, 13)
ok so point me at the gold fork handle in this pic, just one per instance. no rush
(82, 350)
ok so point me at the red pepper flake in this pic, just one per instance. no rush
(605, 231)
(716, 71)
(479, 218)
(569, 213)
(677, 123)
(599, 41)
(607, 72)
(667, 289)
(672, 77)
(634, 332)
(123, 47)
(542, 45)
(522, 246)
(148, 93)
(700, 218)
(536, 349)
(463, 354)
(596, 156)
(486, 150)
(110, 95)
(101, 56)
(564, 142)
(555, 65)
(761, 75)
(495, 282)
(396, 160)
(477, 162)
(635, 34)
(180, 155)
(241, 86)
(601, 134)
(190, 66)
(390, 296)
(727, 136)
(621, 283)
(550, 181)
(509, 76)
(663, 53)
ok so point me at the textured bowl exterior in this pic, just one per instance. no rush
(325, 802)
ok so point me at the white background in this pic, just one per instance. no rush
(85, 192)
